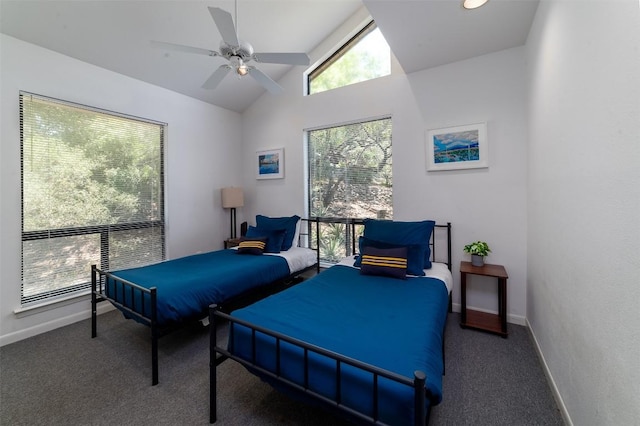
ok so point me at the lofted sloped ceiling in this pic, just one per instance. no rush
(116, 35)
(426, 34)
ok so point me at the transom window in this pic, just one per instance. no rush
(364, 57)
(92, 193)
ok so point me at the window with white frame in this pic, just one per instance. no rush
(92, 193)
(350, 176)
(364, 57)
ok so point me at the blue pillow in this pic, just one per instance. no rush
(402, 233)
(252, 246)
(390, 262)
(274, 237)
(275, 223)
(415, 254)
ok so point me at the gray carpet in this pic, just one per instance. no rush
(66, 378)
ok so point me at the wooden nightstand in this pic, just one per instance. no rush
(482, 320)
(232, 242)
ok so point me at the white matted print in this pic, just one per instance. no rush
(459, 147)
(270, 164)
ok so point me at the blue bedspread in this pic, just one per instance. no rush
(188, 285)
(393, 324)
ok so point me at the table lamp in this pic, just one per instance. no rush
(232, 197)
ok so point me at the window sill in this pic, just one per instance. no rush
(53, 303)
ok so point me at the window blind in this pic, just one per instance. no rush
(92, 193)
(350, 176)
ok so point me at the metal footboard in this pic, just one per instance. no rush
(418, 383)
(118, 297)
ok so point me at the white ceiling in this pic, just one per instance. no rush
(116, 35)
(428, 33)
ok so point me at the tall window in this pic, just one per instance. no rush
(349, 176)
(92, 193)
(364, 57)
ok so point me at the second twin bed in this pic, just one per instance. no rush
(365, 343)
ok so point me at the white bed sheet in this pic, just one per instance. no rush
(298, 258)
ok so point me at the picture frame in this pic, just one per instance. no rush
(458, 147)
(270, 164)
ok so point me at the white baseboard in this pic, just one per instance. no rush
(52, 325)
(554, 389)
(513, 319)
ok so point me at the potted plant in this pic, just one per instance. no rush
(478, 251)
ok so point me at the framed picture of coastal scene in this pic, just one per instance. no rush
(459, 147)
(270, 164)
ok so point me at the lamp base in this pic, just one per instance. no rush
(233, 222)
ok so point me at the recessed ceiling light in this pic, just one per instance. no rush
(473, 4)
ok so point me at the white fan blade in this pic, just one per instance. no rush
(224, 22)
(183, 48)
(217, 77)
(282, 58)
(265, 81)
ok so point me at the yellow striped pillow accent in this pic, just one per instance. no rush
(391, 262)
(252, 246)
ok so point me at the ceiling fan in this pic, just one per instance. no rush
(239, 54)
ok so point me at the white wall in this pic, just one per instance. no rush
(202, 155)
(584, 203)
(483, 204)
(488, 204)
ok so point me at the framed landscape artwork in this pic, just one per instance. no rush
(270, 164)
(459, 147)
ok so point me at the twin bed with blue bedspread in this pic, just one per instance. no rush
(189, 284)
(365, 341)
(168, 294)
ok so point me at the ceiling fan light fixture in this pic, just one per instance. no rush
(242, 70)
(473, 4)
(238, 53)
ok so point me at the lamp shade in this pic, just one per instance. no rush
(232, 197)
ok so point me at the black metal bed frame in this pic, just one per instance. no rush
(421, 413)
(137, 292)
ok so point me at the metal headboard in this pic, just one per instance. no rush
(352, 232)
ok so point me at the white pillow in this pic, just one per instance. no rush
(296, 235)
